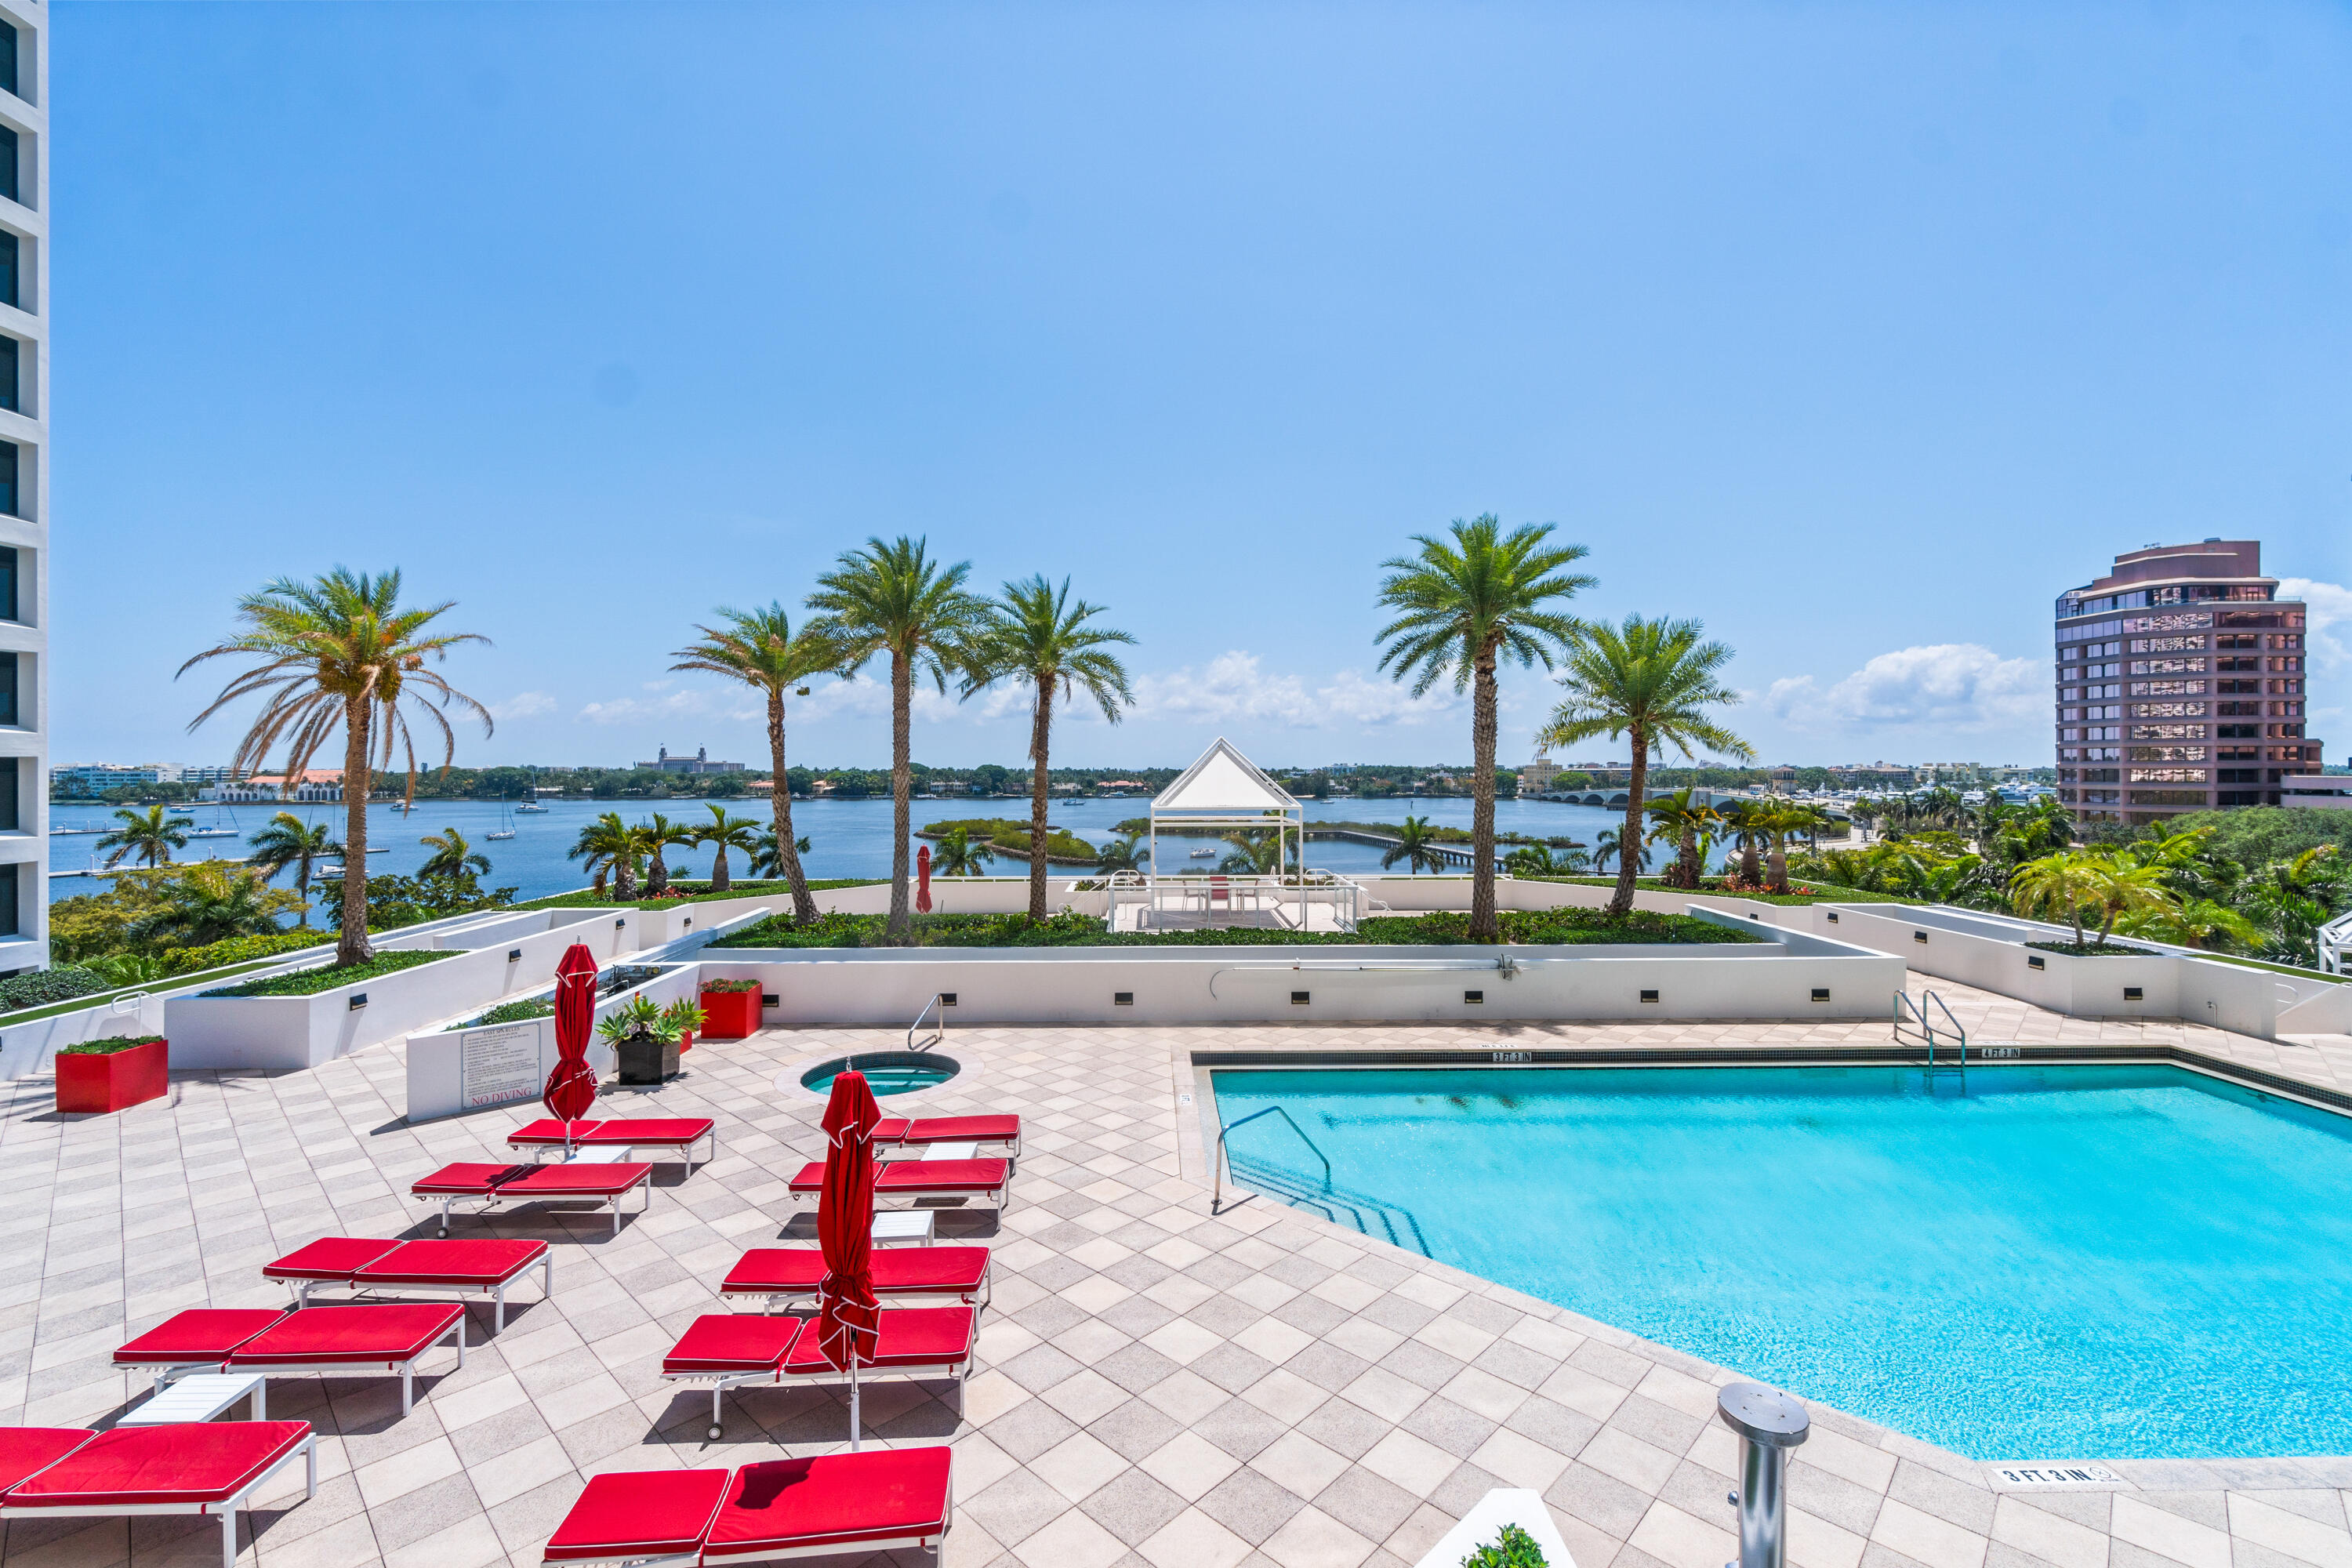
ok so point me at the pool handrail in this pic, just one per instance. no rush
(1927, 1027)
(1217, 1165)
(938, 1031)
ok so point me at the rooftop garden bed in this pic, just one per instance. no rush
(1542, 926)
(1802, 891)
(688, 893)
(311, 982)
(2098, 950)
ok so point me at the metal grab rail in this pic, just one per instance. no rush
(1218, 1164)
(938, 1031)
(1955, 1031)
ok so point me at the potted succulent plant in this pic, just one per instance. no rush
(730, 1008)
(685, 1017)
(112, 1074)
(642, 1042)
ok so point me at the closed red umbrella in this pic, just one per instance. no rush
(923, 880)
(848, 1316)
(572, 1087)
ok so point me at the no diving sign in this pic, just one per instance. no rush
(2055, 1475)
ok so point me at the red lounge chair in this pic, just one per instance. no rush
(679, 1134)
(898, 1130)
(198, 1340)
(320, 1342)
(913, 1179)
(730, 1350)
(882, 1499)
(491, 1186)
(192, 1467)
(787, 1274)
(413, 1267)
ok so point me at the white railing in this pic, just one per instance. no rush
(2334, 937)
(1140, 901)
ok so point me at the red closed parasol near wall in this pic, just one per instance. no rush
(848, 1316)
(923, 880)
(572, 1087)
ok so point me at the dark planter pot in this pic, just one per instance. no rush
(730, 1015)
(646, 1059)
(114, 1081)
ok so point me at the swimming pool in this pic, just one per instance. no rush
(2093, 1262)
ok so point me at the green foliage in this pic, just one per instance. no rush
(685, 893)
(1515, 1548)
(59, 984)
(638, 1017)
(731, 986)
(1546, 927)
(311, 982)
(684, 1016)
(2257, 834)
(394, 901)
(107, 1047)
(521, 1012)
(1005, 836)
(235, 950)
(118, 969)
(213, 901)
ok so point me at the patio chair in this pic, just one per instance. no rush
(676, 1134)
(784, 1275)
(597, 1182)
(882, 1499)
(462, 1268)
(732, 1349)
(913, 1180)
(899, 1132)
(376, 1339)
(201, 1467)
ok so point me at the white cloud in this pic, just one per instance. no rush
(2331, 620)
(1234, 686)
(523, 705)
(1959, 687)
(673, 705)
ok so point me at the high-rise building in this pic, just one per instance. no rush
(2181, 685)
(24, 484)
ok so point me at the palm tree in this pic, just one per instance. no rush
(452, 856)
(960, 854)
(285, 841)
(149, 835)
(1606, 845)
(608, 846)
(2121, 887)
(1463, 607)
(1650, 681)
(1538, 860)
(2194, 923)
(1416, 845)
(893, 598)
(1036, 635)
(1126, 853)
(1256, 852)
(766, 862)
(758, 648)
(1781, 820)
(211, 904)
(341, 651)
(653, 837)
(1681, 821)
(2059, 886)
(723, 833)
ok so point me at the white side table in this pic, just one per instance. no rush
(603, 1154)
(905, 1224)
(199, 1397)
(950, 1151)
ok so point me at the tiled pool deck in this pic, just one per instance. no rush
(1159, 1386)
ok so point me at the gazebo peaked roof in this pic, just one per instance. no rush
(1225, 783)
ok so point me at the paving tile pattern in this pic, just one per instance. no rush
(1159, 1386)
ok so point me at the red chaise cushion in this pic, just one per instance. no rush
(909, 1336)
(328, 1258)
(941, 1176)
(466, 1178)
(25, 1450)
(575, 1181)
(187, 1462)
(654, 1129)
(453, 1263)
(733, 1342)
(546, 1130)
(834, 1498)
(198, 1334)
(639, 1513)
(781, 1269)
(963, 1129)
(348, 1336)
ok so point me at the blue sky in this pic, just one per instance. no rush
(1855, 330)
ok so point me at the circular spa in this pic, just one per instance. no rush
(887, 1072)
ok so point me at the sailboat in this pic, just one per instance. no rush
(505, 823)
(220, 829)
(531, 805)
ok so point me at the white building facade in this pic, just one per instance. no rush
(24, 484)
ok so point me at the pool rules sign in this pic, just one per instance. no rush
(499, 1066)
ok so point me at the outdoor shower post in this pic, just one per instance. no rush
(1770, 1424)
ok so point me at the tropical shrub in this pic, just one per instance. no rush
(521, 1012)
(107, 1047)
(311, 982)
(236, 949)
(1515, 1548)
(394, 901)
(60, 984)
(731, 985)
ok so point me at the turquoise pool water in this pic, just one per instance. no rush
(2065, 1263)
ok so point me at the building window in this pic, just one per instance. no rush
(8, 267)
(8, 478)
(7, 687)
(10, 772)
(8, 58)
(9, 924)
(8, 164)
(10, 349)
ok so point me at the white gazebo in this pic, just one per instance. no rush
(1225, 790)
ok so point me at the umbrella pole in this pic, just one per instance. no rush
(853, 1402)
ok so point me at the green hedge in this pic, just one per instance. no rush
(311, 982)
(240, 950)
(521, 1012)
(62, 984)
(1528, 927)
(688, 893)
(107, 1047)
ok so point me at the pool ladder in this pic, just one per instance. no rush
(1955, 1038)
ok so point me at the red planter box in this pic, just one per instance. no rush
(684, 1041)
(730, 1015)
(114, 1081)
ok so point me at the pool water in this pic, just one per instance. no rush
(2069, 1262)
(887, 1072)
